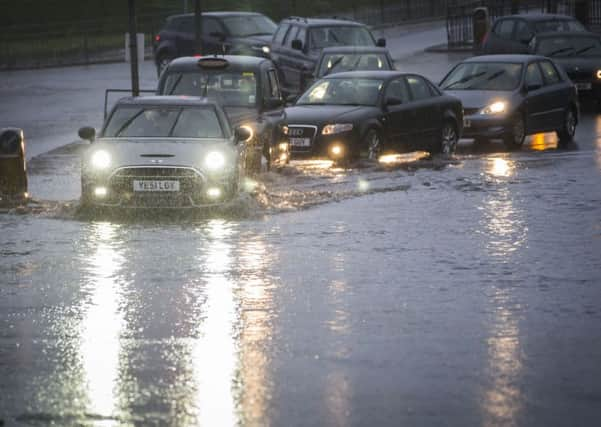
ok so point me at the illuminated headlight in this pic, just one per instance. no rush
(283, 146)
(264, 49)
(495, 108)
(285, 130)
(100, 159)
(336, 128)
(100, 192)
(214, 161)
(214, 192)
(599, 74)
(337, 150)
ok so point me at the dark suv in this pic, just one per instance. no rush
(298, 42)
(513, 34)
(234, 33)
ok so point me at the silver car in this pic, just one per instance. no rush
(163, 152)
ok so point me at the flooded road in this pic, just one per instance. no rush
(421, 292)
(431, 292)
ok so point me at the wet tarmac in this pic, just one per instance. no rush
(423, 292)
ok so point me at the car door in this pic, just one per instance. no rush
(427, 116)
(557, 95)
(537, 96)
(398, 116)
(285, 59)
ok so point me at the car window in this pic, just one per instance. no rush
(301, 35)
(249, 25)
(533, 75)
(567, 46)
(574, 25)
(343, 91)
(291, 36)
(320, 37)
(504, 28)
(398, 89)
(337, 62)
(274, 87)
(522, 32)
(483, 76)
(555, 25)
(197, 123)
(419, 88)
(280, 34)
(550, 73)
(186, 25)
(210, 25)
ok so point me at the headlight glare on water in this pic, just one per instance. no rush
(214, 160)
(100, 159)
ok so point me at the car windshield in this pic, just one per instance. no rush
(321, 37)
(483, 76)
(569, 46)
(343, 91)
(230, 89)
(337, 62)
(163, 122)
(555, 25)
(250, 25)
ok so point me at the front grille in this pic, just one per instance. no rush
(301, 132)
(470, 111)
(158, 172)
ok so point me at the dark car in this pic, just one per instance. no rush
(579, 54)
(163, 152)
(298, 42)
(246, 87)
(511, 96)
(347, 114)
(512, 34)
(234, 33)
(349, 58)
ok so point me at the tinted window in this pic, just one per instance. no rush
(281, 33)
(249, 25)
(419, 88)
(533, 75)
(504, 28)
(550, 73)
(343, 91)
(483, 76)
(398, 89)
(320, 37)
(210, 25)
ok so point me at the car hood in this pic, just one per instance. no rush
(322, 114)
(159, 152)
(476, 99)
(573, 65)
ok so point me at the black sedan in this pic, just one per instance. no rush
(579, 54)
(346, 114)
(511, 96)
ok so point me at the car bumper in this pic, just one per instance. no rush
(194, 189)
(481, 126)
(588, 89)
(324, 146)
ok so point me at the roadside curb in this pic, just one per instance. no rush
(445, 48)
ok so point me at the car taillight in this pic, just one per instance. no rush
(157, 38)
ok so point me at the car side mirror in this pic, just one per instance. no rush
(88, 133)
(297, 44)
(242, 134)
(393, 100)
(381, 42)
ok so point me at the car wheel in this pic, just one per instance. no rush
(162, 62)
(448, 139)
(567, 132)
(373, 142)
(514, 138)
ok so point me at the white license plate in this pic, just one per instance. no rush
(584, 86)
(300, 142)
(467, 123)
(153, 185)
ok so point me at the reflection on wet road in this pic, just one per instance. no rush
(418, 292)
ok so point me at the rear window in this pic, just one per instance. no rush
(559, 25)
(483, 76)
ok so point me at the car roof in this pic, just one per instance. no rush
(535, 17)
(171, 100)
(505, 58)
(355, 49)
(218, 14)
(368, 74)
(551, 34)
(236, 62)
(322, 22)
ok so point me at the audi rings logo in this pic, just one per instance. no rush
(295, 132)
(156, 161)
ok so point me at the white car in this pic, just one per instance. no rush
(163, 152)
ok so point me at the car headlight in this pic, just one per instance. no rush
(285, 130)
(599, 74)
(264, 49)
(214, 161)
(336, 128)
(100, 159)
(495, 108)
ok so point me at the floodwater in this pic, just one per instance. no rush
(464, 291)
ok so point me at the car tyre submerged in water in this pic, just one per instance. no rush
(514, 138)
(448, 139)
(567, 132)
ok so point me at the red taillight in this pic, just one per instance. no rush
(197, 55)
(157, 38)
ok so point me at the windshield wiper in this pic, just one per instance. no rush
(584, 49)
(355, 64)
(465, 79)
(334, 64)
(127, 123)
(562, 50)
(179, 78)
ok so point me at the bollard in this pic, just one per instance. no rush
(13, 172)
